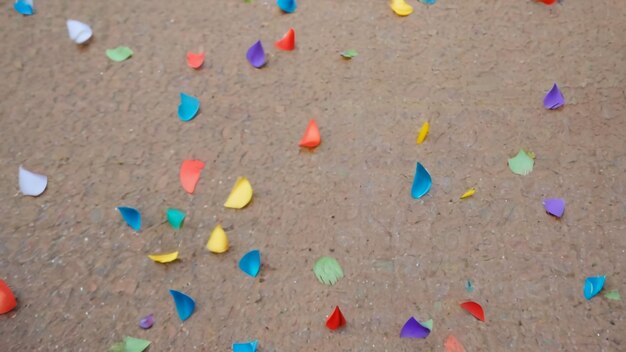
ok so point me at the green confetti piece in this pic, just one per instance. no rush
(119, 54)
(469, 286)
(613, 295)
(349, 54)
(175, 217)
(327, 270)
(428, 324)
(130, 344)
(522, 163)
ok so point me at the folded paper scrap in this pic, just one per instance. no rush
(79, 32)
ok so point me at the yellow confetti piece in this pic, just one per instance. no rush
(240, 195)
(164, 258)
(423, 132)
(401, 8)
(470, 192)
(218, 241)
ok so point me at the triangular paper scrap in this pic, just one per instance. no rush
(311, 137)
(184, 304)
(421, 182)
(195, 60)
(24, 7)
(470, 192)
(250, 263)
(428, 324)
(245, 346)
(131, 344)
(287, 6)
(521, 164)
(240, 195)
(32, 184)
(7, 298)
(288, 41)
(554, 206)
(593, 286)
(256, 55)
(400, 7)
(554, 99)
(218, 241)
(164, 258)
(613, 295)
(335, 320)
(188, 107)
(119, 54)
(453, 345)
(474, 309)
(132, 217)
(327, 270)
(190, 174)
(421, 136)
(349, 54)
(414, 330)
(175, 217)
(79, 32)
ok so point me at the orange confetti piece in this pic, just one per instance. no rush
(311, 138)
(190, 174)
(195, 60)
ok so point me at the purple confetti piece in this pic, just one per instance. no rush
(413, 329)
(554, 206)
(256, 55)
(146, 322)
(554, 99)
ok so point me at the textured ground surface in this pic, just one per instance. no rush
(107, 135)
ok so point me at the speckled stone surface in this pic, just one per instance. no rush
(107, 134)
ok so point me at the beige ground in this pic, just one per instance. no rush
(107, 135)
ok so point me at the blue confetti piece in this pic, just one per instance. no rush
(287, 6)
(469, 287)
(593, 286)
(132, 217)
(24, 7)
(429, 2)
(245, 346)
(250, 263)
(184, 304)
(188, 108)
(421, 182)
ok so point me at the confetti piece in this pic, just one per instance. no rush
(327, 270)
(470, 192)
(132, 217)
(32, 184)
(554, 206)
(469, 286)
(288, 41)
(421, 136)
(593, 286)
(414, 330)
(164, 258)
(554, 99)
(240, 195)
(130, 344)
(176, 218)
(256, 55)
(428, 2)
(547, 2)
(188, 107)
(24, 7)
(421, 182)
(453, 345)
(401, 8)
(190, 174)
(311, 137)
(349, 54)
(250, 263)
(245, 346)
(119, 54)
(79, 32)
(335, 320)
(521, 164)
(428, 324)
(474, 309)
(195, 60)
(7, 298)
(287, 6)
(218, 241)
(613, 295)
(184, 304)
(147, 321)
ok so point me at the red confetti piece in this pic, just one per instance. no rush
(474, 309)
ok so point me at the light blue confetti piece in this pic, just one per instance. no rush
(188, 108)
(593, 285)
(184, 304)
(421, 182)
(132, 217)
(24, 7)
(245, 346)
(250, 263)
(287, 6)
